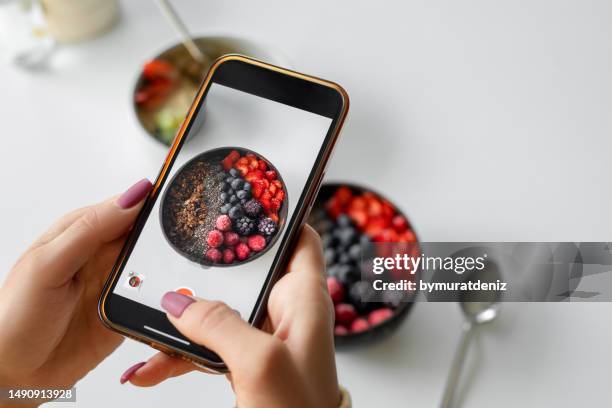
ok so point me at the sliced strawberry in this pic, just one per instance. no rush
(262, 165)
(243, 161)
(158, 68)
(280, 194)
(253, 163)
(277, 183)
(255, 174)
(272, 189)
(242, 168)
(275, 204)
(375, 208)
(358, 203)
(344, 195)
(359, 217)
(257, 188)
(271, 175)
(399, 223)
(333, 207)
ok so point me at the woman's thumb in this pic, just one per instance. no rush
(214, 325)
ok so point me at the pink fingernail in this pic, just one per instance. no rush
(175, 303)
(125, 377)
(134, 194)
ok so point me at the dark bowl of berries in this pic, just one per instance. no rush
(352, 219)
(224, 207)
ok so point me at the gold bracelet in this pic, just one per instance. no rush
(345, 402)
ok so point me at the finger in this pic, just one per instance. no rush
(158, 368)
(99, 224)
(307, 259)
(216, 326)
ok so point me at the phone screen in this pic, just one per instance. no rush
(217, 224)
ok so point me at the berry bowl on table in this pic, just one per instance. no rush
(350, 220)
(224, 207)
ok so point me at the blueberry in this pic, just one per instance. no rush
(230, 190)
(237, 184)
(344, 258)
(330, 256)
(229, 180)
(363, 296)
(355, 252)
(233, 199)
(223, 186)
(235, 212)
(344, 221)
(223, 196)
(247, 186)
(243, 194)
(225, 208)
(346, 236)
(332, 270)
(233, 172)
(347, 275)
(364, 240)
(328, 240)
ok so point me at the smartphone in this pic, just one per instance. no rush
(229, 202)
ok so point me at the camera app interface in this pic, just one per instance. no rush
(224, 208)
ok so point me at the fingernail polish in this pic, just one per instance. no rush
(175, 303)
(125, 377)
(134, 194)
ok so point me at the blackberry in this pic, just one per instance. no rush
(252, 208)
(244, 226)
(267, 226)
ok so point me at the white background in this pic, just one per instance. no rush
(483, 120)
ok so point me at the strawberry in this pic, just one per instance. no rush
(375, 208)
(270, 174)
(333, 207)
(158, 68)
(379, 315)
(359, 217)
(265, 200)
(274, 217)
(262, 165)
(275, 204)
(254, 174)
(272, 189)
(358, 203)
(253, 163)
(257, 188)
(388, 211)
(280, 194)
(399, 223)
(344, 195)
(359, 325)
(407, 236)
(243, 161)
(242, 168)
(277, 183)
(340, 330)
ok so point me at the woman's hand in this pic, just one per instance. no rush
(291, 364)
(50, 333)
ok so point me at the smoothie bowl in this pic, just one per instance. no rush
(224, 207)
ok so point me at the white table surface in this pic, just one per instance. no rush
(485, 121)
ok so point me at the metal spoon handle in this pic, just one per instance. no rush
(455, 371)
(174, 19)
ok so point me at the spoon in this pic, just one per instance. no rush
(181, 29)
(476, 313)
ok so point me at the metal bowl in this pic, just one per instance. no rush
(191, 74)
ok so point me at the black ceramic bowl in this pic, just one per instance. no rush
(325, 218)
(191, 204)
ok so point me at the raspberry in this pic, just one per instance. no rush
(335, 289)
(242, 251)
(379, 315)
(214, 239)
(256, 242)
(244, 226)
(267, 226)
(213, 255)
(340, 330)
(252, 208)
(231, 238)
(345, 313)
(224, 223)
(359, 325)
(228, 256)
